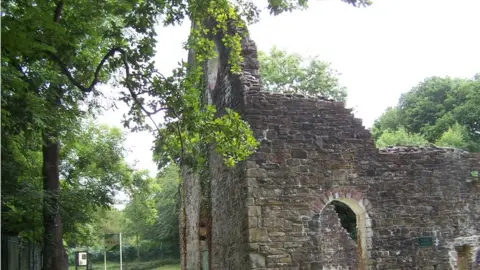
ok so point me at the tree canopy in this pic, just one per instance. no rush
(285, 72)
(93, 170)
(152, 213)
(444, 111)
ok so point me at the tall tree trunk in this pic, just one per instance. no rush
(54, 256)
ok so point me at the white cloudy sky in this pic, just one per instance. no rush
(381, 51)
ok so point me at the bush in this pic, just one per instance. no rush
(456, 136)
(400, 137)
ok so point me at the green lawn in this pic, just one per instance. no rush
(116, 266)
(110, 266)
(169, 267)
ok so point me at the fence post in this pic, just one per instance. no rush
(4, 253)
(19, 253)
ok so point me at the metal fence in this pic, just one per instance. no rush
(18, 254)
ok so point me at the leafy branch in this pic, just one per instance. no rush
(98, 69)
(96, 79)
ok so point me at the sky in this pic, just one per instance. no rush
(381, 51)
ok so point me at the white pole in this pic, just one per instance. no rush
(121, 261)
(105, 258)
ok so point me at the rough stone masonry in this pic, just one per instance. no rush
(415, 207)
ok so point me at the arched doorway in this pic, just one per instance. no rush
(348, 218)
(352, 210)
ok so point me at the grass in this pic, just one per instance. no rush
(100, 266)
(169, 267)
(116, 266)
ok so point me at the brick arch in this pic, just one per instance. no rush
(361, 207)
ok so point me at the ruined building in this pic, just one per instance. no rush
(414, 207)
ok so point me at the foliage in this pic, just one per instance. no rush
(42, 40)
(400, 137)
(284, 72)
(106, 221)
(21, 184)
(436, 108)
(425, 107)
(76, 45)
(152, 213)
(166, 201)
(92, 171)
(141, 210)
(278, 6)
(455, 136)
(390, 120)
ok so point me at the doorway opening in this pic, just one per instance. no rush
(350, 208)
(347, 217)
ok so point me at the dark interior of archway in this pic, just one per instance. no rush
(348, 219)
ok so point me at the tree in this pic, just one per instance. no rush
(468, 113)
(400, 137)
(433, 107)
(166, 225)
(38, 36)
(284, 72)
(141, 211)
(92, 170)
(106, 221)
(390, 120)
(426, 108)
(455, 136)
(152, 211)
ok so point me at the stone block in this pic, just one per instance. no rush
(257, 235)
(298, 153)
(254, 211)
(252, 222)
(257, 260)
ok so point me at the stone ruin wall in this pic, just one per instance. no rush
(314, 151)
(227, 230)
(229, 196)
(190, 229)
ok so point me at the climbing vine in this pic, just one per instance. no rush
(475, 176)
(191, 124)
